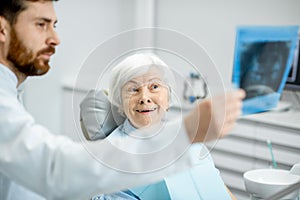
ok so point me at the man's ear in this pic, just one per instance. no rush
(4, 25)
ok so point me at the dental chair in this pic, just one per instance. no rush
(99, 118)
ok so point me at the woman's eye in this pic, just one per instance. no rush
(133, 89)
(154, 86)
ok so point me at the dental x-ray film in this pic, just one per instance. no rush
(262, 59)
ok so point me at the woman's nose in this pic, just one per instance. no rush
(144, 101)
(144, 97)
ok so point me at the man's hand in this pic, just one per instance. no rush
(215, 117)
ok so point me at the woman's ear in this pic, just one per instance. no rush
(4, 25)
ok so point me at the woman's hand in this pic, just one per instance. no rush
(215, 117)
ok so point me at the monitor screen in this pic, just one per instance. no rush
(293, 80)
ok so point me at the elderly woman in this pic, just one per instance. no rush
(141, 89)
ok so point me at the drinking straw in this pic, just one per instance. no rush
(272, 155)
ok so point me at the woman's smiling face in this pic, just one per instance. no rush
(145, 99)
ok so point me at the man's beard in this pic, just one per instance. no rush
(24, 59)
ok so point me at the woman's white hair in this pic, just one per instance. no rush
(133, 66)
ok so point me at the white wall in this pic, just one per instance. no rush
(85, 24)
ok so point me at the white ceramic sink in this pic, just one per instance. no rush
(265, 182)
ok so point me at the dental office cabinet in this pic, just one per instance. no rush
(246, 147)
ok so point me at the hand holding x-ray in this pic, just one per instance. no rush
(214, 117)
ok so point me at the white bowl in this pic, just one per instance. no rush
(266, 182)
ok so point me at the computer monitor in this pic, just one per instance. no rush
(293, 80)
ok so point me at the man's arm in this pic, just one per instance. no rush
(58, 168)
(214, 118)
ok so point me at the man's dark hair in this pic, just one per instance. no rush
(10, 9)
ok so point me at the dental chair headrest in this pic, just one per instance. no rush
(98, 117)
